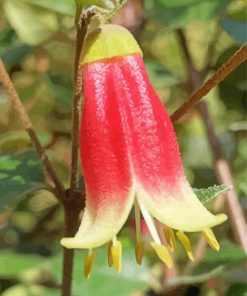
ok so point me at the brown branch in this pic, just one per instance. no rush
(222, 168)
(239, 57)
(10, 89)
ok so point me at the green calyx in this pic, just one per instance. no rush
(108, 41)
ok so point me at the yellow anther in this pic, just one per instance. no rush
(211, 239)
(116, 253)
(139, 251)
(88, 265)
(170, 238)
(163, 253)
(109, 246)
(185, 241)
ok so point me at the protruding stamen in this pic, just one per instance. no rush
(139, 251)
(137, 221)
(109, 246)
(185, 241)
(211, 239)
(163, 253)
(150, 224)
(116, 253)
(170, 238)
(88, 265)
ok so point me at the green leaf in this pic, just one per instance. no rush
(229, 255)
(104, 280)
(66, 7)
(32, 24)
(108, 4)
(20, 174)
(236, 29)
(30, 290)
(207, 194)
(237, 290)
(16, 54)
(159, 75)
(12, 263)
(180, 13)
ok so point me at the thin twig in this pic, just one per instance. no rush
(10, 89)
(221, 166)
(239, 57)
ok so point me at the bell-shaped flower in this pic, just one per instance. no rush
(130, 156)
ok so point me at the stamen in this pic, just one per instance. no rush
(185, 241)
(163, 253)
(170, 238)
(150, 224)
(116, 253)
(110, 261)
(137, 221)
(88, 265)
(139, 251)
(211, 239)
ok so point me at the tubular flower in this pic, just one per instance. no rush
(130, 156)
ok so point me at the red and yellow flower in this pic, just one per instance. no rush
(130, 156)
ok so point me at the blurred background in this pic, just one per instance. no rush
(37, 40)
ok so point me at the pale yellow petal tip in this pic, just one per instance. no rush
(116, 253)
(71, 243)
(107, 42)
(185, 241)
(88, 265)
(170, 238)
(163, 254)
(139, 252)
(211, 239)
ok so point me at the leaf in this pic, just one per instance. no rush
(104, 280)
(32, 24)
(12, 263)
(108, 4)
(229, 255)
(16, 54)
(66, 7)
(20, 174)
(237, 290)
(236, 29)
(180, 13)
(159, 75)
(207, 194)
(30, 290)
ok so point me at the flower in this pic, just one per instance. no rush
(130, 156)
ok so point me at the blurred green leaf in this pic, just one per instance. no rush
(236, 29)
(159, 75)
(179, 13)
(229, 255)
(106, 281)
(32, 24)
(237, 290)
(207, 194)
(12, 263)
(30, 290)
(20, 174)
(16, 54)
(102, 3)
(66, 7)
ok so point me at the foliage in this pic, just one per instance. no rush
(37, 46)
